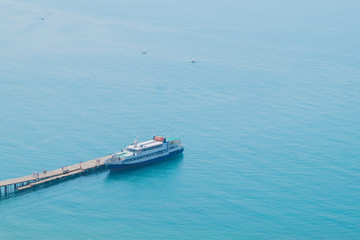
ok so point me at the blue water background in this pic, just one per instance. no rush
(269, 116)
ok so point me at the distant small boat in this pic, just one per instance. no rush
(143, 51)
(193, 61)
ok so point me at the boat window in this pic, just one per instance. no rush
(151, 148)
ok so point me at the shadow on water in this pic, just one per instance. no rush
(169, 163)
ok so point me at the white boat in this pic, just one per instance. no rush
(157, 149)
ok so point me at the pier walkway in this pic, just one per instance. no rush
(30, 181)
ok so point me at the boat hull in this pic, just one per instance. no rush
(115, 167)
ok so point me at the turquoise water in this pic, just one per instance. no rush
(269, 116)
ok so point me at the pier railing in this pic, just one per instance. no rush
(26, 182)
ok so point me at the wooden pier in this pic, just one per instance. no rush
(30, 181)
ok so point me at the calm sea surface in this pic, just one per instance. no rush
(269, 116)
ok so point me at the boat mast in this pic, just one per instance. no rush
(136, 141)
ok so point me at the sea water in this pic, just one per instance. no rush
(269, 117)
